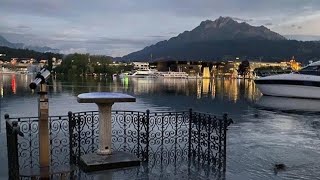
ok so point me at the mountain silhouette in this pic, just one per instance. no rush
(4, 42)
(226, 38)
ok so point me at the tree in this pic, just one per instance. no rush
(75, 64)
(244, 68)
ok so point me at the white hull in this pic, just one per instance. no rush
(282, 90)
(142, 76)
(143, 73)
(172, 74)
(302, 84)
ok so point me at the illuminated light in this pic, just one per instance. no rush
(206, 72)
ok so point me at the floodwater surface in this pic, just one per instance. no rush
(266, 130)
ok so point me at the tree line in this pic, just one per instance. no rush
(81, 64)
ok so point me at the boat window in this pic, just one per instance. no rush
(310, 70)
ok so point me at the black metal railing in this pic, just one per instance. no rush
(168, 143)
(27, 144)
(12, 130)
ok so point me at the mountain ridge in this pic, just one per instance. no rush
(6, 43)
(223, 29)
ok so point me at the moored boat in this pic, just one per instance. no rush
(143, 73)
(173, 74)
(302, 84)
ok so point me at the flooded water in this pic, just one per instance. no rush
(266, 130)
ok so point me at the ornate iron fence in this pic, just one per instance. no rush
(27, 144)
(13, 157)
(128, 133)
(168, 143)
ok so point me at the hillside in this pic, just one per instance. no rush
(25, 53)
(6, 43)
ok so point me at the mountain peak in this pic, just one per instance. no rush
(218, 23)
(226, 28)
(223, 29)
(224, 19)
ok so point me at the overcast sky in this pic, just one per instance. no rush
(118, 27)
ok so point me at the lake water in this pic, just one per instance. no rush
(266, 130)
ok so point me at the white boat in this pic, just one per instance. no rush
(172, 74)
(194, 76)
(142, 73)
(302, 84)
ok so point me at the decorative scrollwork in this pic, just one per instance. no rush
(168, 143)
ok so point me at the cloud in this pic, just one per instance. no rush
(242, 19)
(24, 27)
(158, 36)
(109, 26)
(74, 50)
(117, 41)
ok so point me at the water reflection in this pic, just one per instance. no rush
(255, 143)
(1, 85)
(224, 89)
(16, 84)
(288, 104)
(13, 84)
(229, 89)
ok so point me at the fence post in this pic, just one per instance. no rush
(71, 126)
(220, 142)
(225, 125)
(199, 121)
(189, 141)
(12, 148)
(209, 121)
(147, 133)
(190, 134)
(138, 133)
(78, 123)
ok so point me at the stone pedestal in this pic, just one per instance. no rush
(105, 158)
(105, 127)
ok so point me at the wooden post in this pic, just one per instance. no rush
(44, 145)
